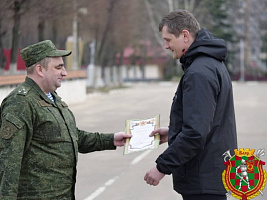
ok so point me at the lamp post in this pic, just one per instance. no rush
(75, 36)
(242, 66)
(91, 67)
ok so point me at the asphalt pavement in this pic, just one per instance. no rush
(110, 175)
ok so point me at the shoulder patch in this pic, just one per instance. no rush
(7, 130)
(10, 124)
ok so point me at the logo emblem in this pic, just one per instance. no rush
(244, 177)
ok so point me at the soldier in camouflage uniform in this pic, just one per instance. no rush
(39, 140)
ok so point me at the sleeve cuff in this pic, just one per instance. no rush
(108, 139)
(161, 167)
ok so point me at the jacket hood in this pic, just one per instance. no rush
(206, 44)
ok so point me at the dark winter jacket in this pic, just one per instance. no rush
(202, 120)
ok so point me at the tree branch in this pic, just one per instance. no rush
(153, 24)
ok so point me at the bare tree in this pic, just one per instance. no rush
(189, 5)
(2, 56)
(48, 12)
(113, 31)
(3, 7)
(153, 16)
(16, 7)
(153, 24)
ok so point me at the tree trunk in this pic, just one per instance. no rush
(106, 31)
(41, 28)
(2, 56)
(189, 5)
(118, 68)
(55, 32)
(15, 37)
(153, 23)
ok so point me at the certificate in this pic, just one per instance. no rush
(140, 130)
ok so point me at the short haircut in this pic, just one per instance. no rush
(180, 20)
(44, 62)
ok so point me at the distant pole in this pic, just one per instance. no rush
(75, 36)
(91, 67)
(171, 6)
(247, 62)
(242, 66)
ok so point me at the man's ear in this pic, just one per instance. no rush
(186, 35)
(39, 70)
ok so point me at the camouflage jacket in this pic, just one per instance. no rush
(39, 145)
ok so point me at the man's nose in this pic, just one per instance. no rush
(166, 45)
(64, 72)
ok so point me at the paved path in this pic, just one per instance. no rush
(109, 175)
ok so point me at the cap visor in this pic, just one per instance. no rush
(59, 53)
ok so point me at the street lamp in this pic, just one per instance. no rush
(75, 36)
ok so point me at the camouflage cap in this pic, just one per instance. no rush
(36, 52)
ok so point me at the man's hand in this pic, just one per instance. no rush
(119, 138)
(153, 176)
(163, 132)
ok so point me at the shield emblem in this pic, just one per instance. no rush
(244, 177)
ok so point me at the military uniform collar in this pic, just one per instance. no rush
(34, 85)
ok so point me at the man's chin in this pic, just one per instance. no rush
(58, 85)
(174, 56)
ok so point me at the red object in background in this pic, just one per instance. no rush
(20, 62)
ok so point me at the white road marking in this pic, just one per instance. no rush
(101, 189)
(140, 157)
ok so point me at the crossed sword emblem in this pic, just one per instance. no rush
(260, 153)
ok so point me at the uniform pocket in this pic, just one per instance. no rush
(48, 129)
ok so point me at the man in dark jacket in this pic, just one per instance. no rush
(202, 118)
